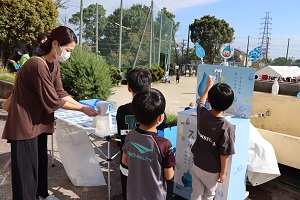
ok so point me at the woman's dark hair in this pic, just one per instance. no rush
(147, 105)
(220, 96)
(41, 36)
(62, 34)
(21, 48)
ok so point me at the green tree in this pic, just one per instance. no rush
(181, 53)
(89, 22)
(211, 33)
(22, 20)
(157, 73)
(86, 77)
(296, 62)
(134, 19)
(116, 76)
(280, 61)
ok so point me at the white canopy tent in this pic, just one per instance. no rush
(295, 69)
(277, 71)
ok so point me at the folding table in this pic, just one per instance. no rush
(84, 122)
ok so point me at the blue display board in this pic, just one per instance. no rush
(240, 79)
(234, 187)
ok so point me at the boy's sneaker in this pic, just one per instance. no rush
(50, 197)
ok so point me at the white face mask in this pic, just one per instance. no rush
(63, 57)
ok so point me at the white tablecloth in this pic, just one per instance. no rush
(75, 148)
(262, 163)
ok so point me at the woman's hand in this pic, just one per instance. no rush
(89, 111)
(222, 177)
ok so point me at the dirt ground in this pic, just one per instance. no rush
(178, 96)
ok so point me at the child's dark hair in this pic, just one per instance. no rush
(139, 79)
(220, 96)
(147, 105)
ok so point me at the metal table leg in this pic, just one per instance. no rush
(108, 165)
(52, 152)
(108, 159)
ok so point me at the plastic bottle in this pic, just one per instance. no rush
(275, 87)
(103, 125)
(104, 120)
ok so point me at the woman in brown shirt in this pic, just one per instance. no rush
(38, 93)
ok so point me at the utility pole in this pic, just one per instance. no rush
(120, 35)
(97, 30)
(287, 51)
(182, 54)
(182, 46)
(187, 48)
(81, 23)
(175, 47)
(246, 64)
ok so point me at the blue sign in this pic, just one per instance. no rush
(227, 51)
(200, 52)
(255, 54)
(240, 79)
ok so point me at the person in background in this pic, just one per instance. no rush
(191, 105)
(38, 93)
(138, 79)
(215, 141)
(149, 157)
(20, 56)
(177, 76)
(42, 37)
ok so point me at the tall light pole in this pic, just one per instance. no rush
(97, 30)
(141, 40)
(120, 35)
(187, 49)
(159, 44)
(169, 51)
(246, 64)
(151, 35)
(81, 23)
(287, 51)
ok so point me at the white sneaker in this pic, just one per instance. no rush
(50, 197)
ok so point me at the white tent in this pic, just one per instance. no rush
(277, 71)
(295, 69)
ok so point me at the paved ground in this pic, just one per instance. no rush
(178, 96)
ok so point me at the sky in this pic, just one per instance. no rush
(245, 17)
